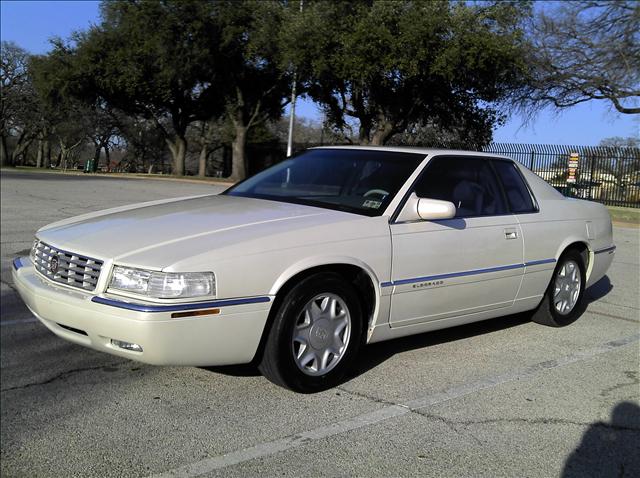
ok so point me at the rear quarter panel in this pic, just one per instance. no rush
(559, 223)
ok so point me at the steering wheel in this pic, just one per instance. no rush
(379, 192)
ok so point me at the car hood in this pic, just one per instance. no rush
(124, 232)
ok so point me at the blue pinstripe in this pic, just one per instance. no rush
(467, 273)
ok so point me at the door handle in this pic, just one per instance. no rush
(510, 234)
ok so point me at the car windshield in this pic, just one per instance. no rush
(358, 181)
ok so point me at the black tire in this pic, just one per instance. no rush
(546, 313)
(278, 364)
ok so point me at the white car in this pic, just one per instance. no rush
(300, 265)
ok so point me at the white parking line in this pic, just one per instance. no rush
(18, 321)
(371, 418)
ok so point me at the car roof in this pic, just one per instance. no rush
(418, 150)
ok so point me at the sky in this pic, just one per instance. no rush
(31, 24)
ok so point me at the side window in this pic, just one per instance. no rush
(469, 183)
(516, 190)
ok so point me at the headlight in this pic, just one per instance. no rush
(163, 285)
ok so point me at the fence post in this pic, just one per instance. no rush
(532, 161)
(591, 180)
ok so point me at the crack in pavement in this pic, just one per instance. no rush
(528, 421)
(631, 375)
(61, 376)
(600, 301)
(368, 397)
(617, 317)
(387, 412)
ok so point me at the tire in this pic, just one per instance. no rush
(561, 304)
(324, 311)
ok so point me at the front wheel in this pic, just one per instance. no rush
(315, 336)
(563, 301)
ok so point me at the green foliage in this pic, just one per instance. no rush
(390, 64)
(154, 59)
(255, 82)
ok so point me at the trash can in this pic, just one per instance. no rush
(88, 165)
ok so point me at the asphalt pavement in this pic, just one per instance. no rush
(504, 397)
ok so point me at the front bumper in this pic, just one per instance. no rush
(231, 336)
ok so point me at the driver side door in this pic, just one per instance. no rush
(460, 266)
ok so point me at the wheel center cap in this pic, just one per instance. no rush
(320, 334)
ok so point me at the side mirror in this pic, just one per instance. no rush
(426, 209)
(431, 209)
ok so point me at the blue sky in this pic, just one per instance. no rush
(31, 23)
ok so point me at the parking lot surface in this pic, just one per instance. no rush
(505, 397)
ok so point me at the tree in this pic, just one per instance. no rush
(16, 102)
(209, 136)
(392, 65)
(257, 79)
(142, 143)
(67, 119)
(586, 50)
(620, 142)
(157, 60)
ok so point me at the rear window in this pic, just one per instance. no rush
(518, 195)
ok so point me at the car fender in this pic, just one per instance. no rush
(318, 261)
(572, 239)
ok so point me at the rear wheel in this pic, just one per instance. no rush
(316, 335)
(563, 301)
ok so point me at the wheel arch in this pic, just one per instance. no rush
(583, 247)
(353, 270)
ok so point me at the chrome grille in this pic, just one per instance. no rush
(66, 267)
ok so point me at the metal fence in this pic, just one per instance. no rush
(610, 175)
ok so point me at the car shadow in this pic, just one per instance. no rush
(598, 290)
(608, 449)
(375, 354)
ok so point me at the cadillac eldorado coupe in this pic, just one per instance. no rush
(298, 267)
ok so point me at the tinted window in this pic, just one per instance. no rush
(469, 183)
(359, 181)
(514, 187)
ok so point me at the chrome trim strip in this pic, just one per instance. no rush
(536, 263)
(467, 273)
(606, 249)
(177, 307)
(458, 274)
(17, 263)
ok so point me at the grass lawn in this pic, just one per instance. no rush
(626, 215)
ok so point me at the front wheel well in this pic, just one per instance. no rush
(353, 274)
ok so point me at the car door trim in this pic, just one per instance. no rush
(467, 273)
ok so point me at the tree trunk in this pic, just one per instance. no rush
(40, 153)
(202, 161)
(238, 158)
(20, 148)
(382, 133)
(364, 131)
(4, 155)
(107, 157)
(96, 158)
(47, 154)
(178, 148)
